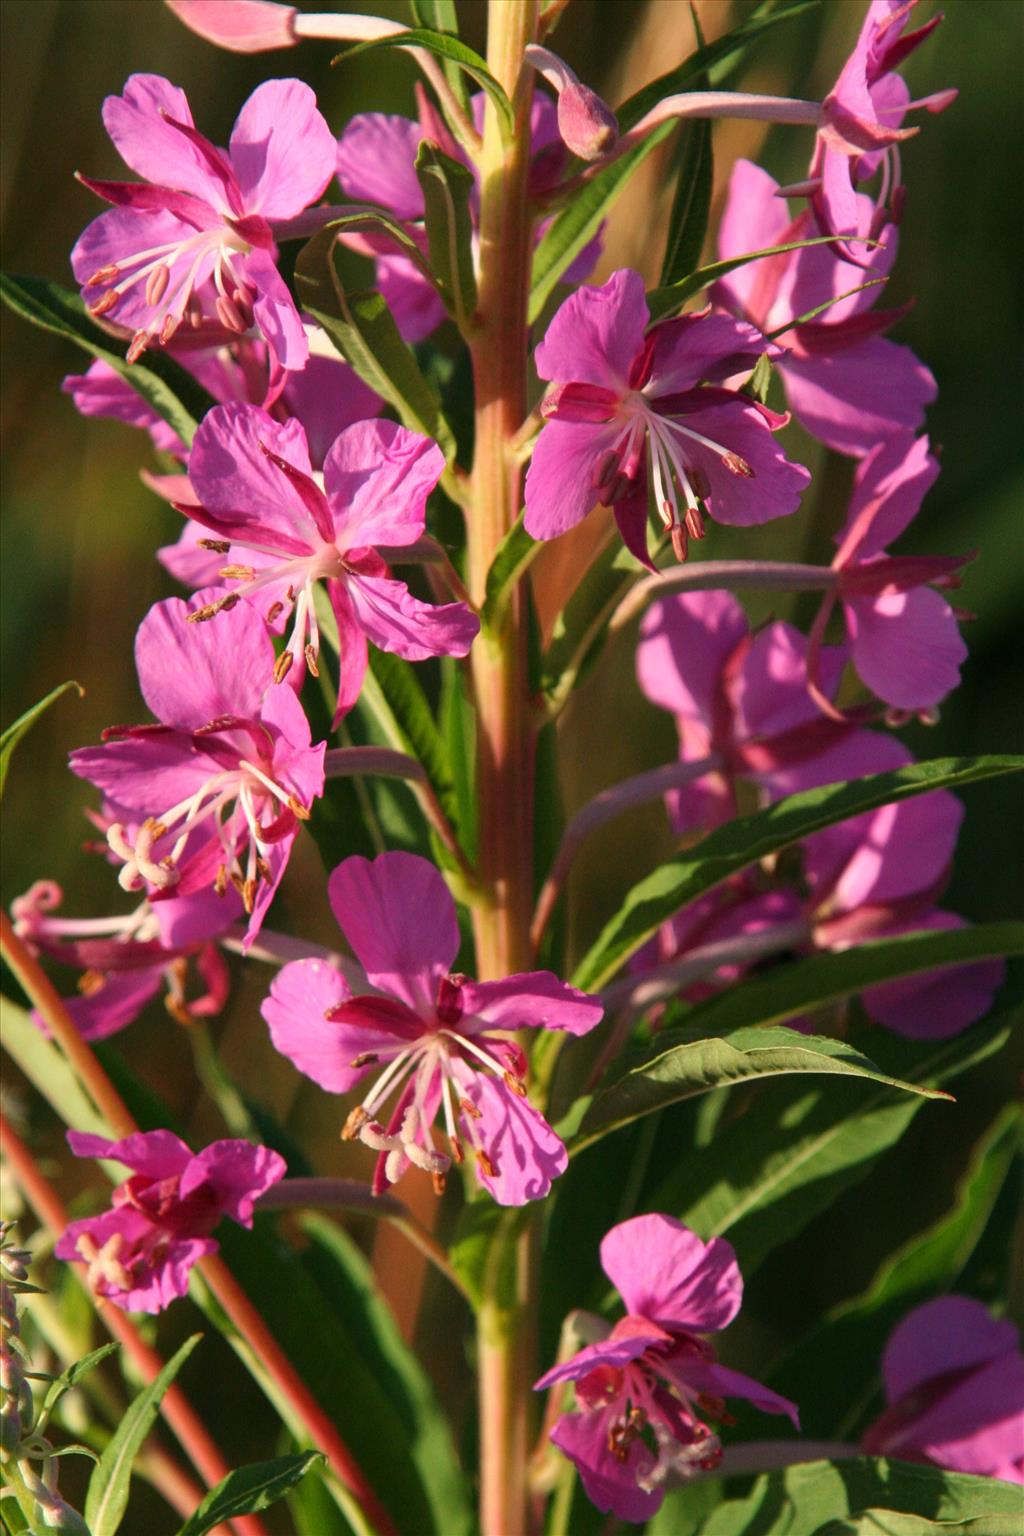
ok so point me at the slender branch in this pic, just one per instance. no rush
(770, 1455)
(728, 575)
(175, 1406)
(352, 1195)
(605, 807)
(637, 993)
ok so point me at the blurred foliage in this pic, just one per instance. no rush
(79, 533)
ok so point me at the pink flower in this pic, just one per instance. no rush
(139, 1253)
(376, 163)
(215, 791)
(902, 635)
(127, 959)
(194, 241)
(626, 411)
(954, 1384)
(736, 696)
(644, 1390)
(861, 122)
(441, 1039)
(254, 482)
(845, 383)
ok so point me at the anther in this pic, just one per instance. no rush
(737, 466)
(249, 895)
(237, 572)
(105, 305)
(666, 512)
(156, 284)
(91, 982)
(264, 869)
(108, 274)
(297, 808)
(311, 660)
(229, 316)
(516, 1084)
(438, 1180)
(139, 343)
(469, 1108)
(354, 1124)
(243, 305)
(458, 1151)
(282, 666)
(679, 543)
(364, 1059)
(168, 329)
(220, 884)
(695, 523)
(274, 611)
(216, 546)
(486, 1163)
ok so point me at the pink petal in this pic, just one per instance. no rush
(191, 674)
(614, 1352)
(531, 1000)
(700, 347)
(282, 149)
(853, 397)
(245, 496)
(935, 1004)
(274, 311)
(978, 1424)
(376, 163)
(518, 1140)
(237, 1173)
(188, 920)
(102, 392)
(754, 219)
(301, 994)
(154, 150)
(414, 302)
(685, 641)
(396, 621)
(610, 1484)
(596, 334)
(719, 1381)
(378, 477)
(776, 486)
(399, 918)
(147, 774)
(951, 1333)
(906, 646)
(327, 396)
(559, 489)
(665, 1273)
(117, 237)
(244, 26)
(157, 1154)
(771, 690)
(888, 488)
(112, 1006)
(352, 649)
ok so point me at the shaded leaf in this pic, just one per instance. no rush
(249, 1489)
(511, 559)
(667, 300)
(24, 723)
(447, 189)
(451, 50)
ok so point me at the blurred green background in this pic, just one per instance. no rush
(79, 529)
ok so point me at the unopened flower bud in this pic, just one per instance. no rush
(244, 26)
(586, 124)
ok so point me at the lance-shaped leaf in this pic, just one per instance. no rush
(681, 1069)
(812, 1497)
(667, 300)
(695, 173)
(441, 16)
(511, 559)
(450, 50)
(447, 188)
(24, 723)
(578, 222)
(47, 1070)
(165, 386)
(248, 1490)
(853, 1335)
(107, 1498)
(363, 329)
(70, 1378)
(730, 848)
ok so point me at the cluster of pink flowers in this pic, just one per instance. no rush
(299, 497)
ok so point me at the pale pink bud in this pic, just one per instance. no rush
(587, 125)
(244, 26)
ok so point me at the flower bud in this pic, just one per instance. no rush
(588, 126)
(244, 26)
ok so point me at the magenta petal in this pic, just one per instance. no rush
(530, 1000)
(704, 347)
(152, 148)
(935, 1004)
(888, 488)
(352, 650)
(754, 219)
(378, 476)
(771, 690)
(906, 646)
(275, 313)
(112, 1006)
(118, 236)
(282, 149)
(977, 1425)
(376, 163)
(148, 773)
(157, 1154)
(236, 1173)
(664, 1272)
(191, 674)
(189, 920)
(951, 1333)
(559, 489)
(853, 397)
(521, 1145)
(327, 396)
(396, 621)
(102, 392)
(685, 641)
(301, 994)
(399, 918)
(248, 497)
(610, 1484)
(719, 1381)
(614, 1352)
(596, 334)
(774, 489)
(413, 300)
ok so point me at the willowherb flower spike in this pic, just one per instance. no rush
(441, 1044)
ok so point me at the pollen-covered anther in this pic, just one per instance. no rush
(311, 660)
(237, 572)
(624, 1431)
(249, 888)
(107, 274)
(365, 1059)
(487, 1163)
(91, 982)
(298, 809)
(105, 305)
(220, 883)
(156, 284)
(737, 466)
(283, 665)
(515, 1083)
(458, 1151)
(215, 546)
(469, 1108)
(103, 1263)
(139, 343)
(273, 612)
(357, 1118)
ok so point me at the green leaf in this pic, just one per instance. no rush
(766, 1174)
(74, 1373)
(888, 1522)
(447, 188)
(458, 731)
(681, 1070)
(812, 1497)
(691, 206)
(820, 980)
(578, 222)
(819, 309)
(670, 298)
(452, 51)
(249, 1489)
(107, 1498)
(348, 1279)
(24, 723)
(482, 1250)
(759, 383)
(852, 1336)
(160, 381)
(731, 848)
(363, 329)
(511, 559)
(47, 1070)
(441, 16)
(581, 626)
(393, 693)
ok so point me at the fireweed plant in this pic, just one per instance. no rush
(369, 480)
